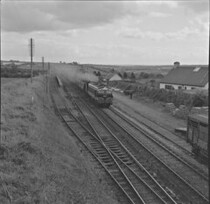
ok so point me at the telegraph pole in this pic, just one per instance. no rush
(43, 63)
(48, 84)
(31, 55)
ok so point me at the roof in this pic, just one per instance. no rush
(113, 77)
(199, 118)
(187, 75)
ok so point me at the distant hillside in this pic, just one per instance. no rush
(131, 68)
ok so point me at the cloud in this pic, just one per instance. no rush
(159, 14)
(22, 16)
(198, 7)
(136, 33)
(168, 3)
(87, 14)
(33, 16)
(19, 17)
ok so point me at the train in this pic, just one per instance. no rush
(98, 92)
(197, 134)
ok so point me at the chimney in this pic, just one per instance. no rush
(176, 65)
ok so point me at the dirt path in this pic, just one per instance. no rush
(40, 161)
(151, 111)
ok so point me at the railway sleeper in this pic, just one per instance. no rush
(109, 165)
(125, 159)
(116, 174)
(103, 154)
(99, 150)
(104, 157)
(121, 181)
(122, 157)
(94, 142)
(112, 171)
(129, 163)
(96, 147)
(121, 153)
(110, 143)
(116, 149)
(106, 160)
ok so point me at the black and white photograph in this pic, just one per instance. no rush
(104, 102)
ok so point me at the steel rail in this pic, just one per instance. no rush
(198, 171)
(201, 176)
(133, 197)
(169, 198)
(206, 200)
(143, 184)
(203, 197)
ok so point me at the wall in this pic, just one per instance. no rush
(175, 86)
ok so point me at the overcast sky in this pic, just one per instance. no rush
(113, 32)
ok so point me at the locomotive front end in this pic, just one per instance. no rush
(105, 97)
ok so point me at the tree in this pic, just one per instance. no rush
(133, 76)
(152, 81)
(14, 66)
(125, 75)
(120, 74)
(198, 100)
(159, 76)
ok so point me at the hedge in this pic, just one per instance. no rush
(173, 96)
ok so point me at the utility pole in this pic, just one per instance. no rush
(48, 85)
(43, 63)
(31, 55)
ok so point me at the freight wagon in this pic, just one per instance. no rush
(197, 134)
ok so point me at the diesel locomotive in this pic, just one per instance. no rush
(100, 93)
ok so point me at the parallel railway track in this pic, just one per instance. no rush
(135, 130)
(183, 179)
(144, 158)
(99, 153)
(124, 156)
(169, 140)
(126, 179)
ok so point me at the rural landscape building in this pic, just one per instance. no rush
(186, 77)
(113, 77)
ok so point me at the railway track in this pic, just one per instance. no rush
(166, 137)
(120, 151)
(97, 150)
(197, 184)
(155, 137)
(126, 179)
(189, 193)
(196, 196)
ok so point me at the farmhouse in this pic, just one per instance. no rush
(186, 77)
(112, 77)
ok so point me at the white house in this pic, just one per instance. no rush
(186, 77)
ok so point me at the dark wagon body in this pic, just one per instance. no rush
(101, 95)
(197, 134)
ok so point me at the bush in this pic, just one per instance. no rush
(125, 75)
(176, 97)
